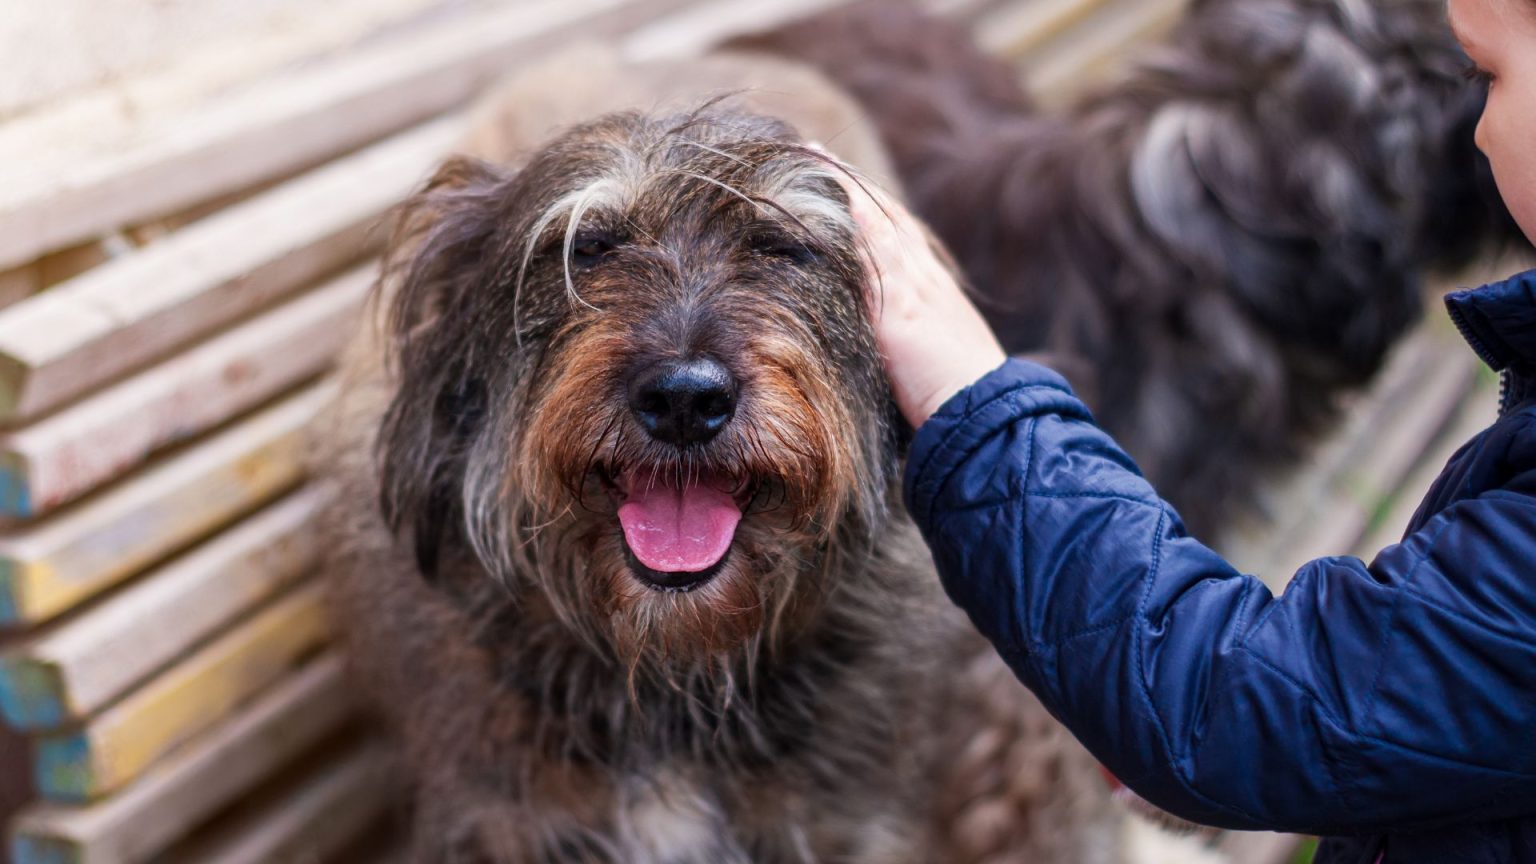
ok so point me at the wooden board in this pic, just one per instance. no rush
(1391, 451)
(292, 121)
(137, 308)
(1018, 29)
(49, 567)
(1396, 510)
(111, 432)
(186, 700)
(694, 29)
(69, 672)
(311, 820)
(1097, 47)
(62, 264)
(19, 284)
(175, 797)
(960, 10)
(59, 50)
(1245, 847)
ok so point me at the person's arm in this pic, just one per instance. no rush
(1397, 694)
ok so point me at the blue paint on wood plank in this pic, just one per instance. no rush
(41, 850)
(29, 695)
(10, 604)
(15, 493)
(63, 768)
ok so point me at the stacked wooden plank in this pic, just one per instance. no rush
(157, 557)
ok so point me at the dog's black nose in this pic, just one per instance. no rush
(683, 403)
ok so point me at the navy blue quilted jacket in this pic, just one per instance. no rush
(1390, 705)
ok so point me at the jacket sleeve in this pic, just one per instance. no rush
(1366, 698)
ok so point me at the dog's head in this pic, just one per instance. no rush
(636, 382)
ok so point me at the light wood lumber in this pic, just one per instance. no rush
(1248, 847)
(319, 816)
(51, 566)
(289, 122)
(178, 795)
(1394, 513)
(18, 284)
(1097, 46)
(1018, 29)
(694, 29)
(186, 700)
(139, 307)
(109, 433)
(69, 672)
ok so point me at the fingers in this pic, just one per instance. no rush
(876, 212)
(896, 247)
(874, 228)
(933, 340)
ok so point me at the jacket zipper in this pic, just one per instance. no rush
(1506, 382)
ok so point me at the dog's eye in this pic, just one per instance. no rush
(786, 248)
(588, 249)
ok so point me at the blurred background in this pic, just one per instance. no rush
(188, 191)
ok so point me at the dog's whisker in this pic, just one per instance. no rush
(715, 150)
(634, 226)
(721, 184)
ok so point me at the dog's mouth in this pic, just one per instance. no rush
(678, 531)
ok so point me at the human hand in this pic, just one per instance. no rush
(934, 341)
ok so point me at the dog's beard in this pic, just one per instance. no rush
(763, 592)
(788, 468)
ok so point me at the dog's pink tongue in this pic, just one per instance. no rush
(678, 530)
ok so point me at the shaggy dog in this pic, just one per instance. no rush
(618, 547)
(1218, 244)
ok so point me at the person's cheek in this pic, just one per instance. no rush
(1493, 139)
(1516, 142)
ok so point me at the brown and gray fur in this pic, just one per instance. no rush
(817, 700)
(1223, 241)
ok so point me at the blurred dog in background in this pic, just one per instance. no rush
(1214, 247)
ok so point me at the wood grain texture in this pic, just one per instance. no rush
(178, 795)
(290, 122)
(186, 700)
(1019, 29)
(316, 817)
(141, 306)
(69, 672)
(694, 29)
(69, 453)
(50, 567)
(1098, 45)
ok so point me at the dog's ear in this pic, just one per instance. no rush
(442, 248)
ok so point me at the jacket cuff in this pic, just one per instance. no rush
(1017, 389)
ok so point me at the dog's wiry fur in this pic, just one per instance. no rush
(817, 700)
(1218, 244)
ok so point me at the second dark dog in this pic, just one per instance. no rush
(1218, 245)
